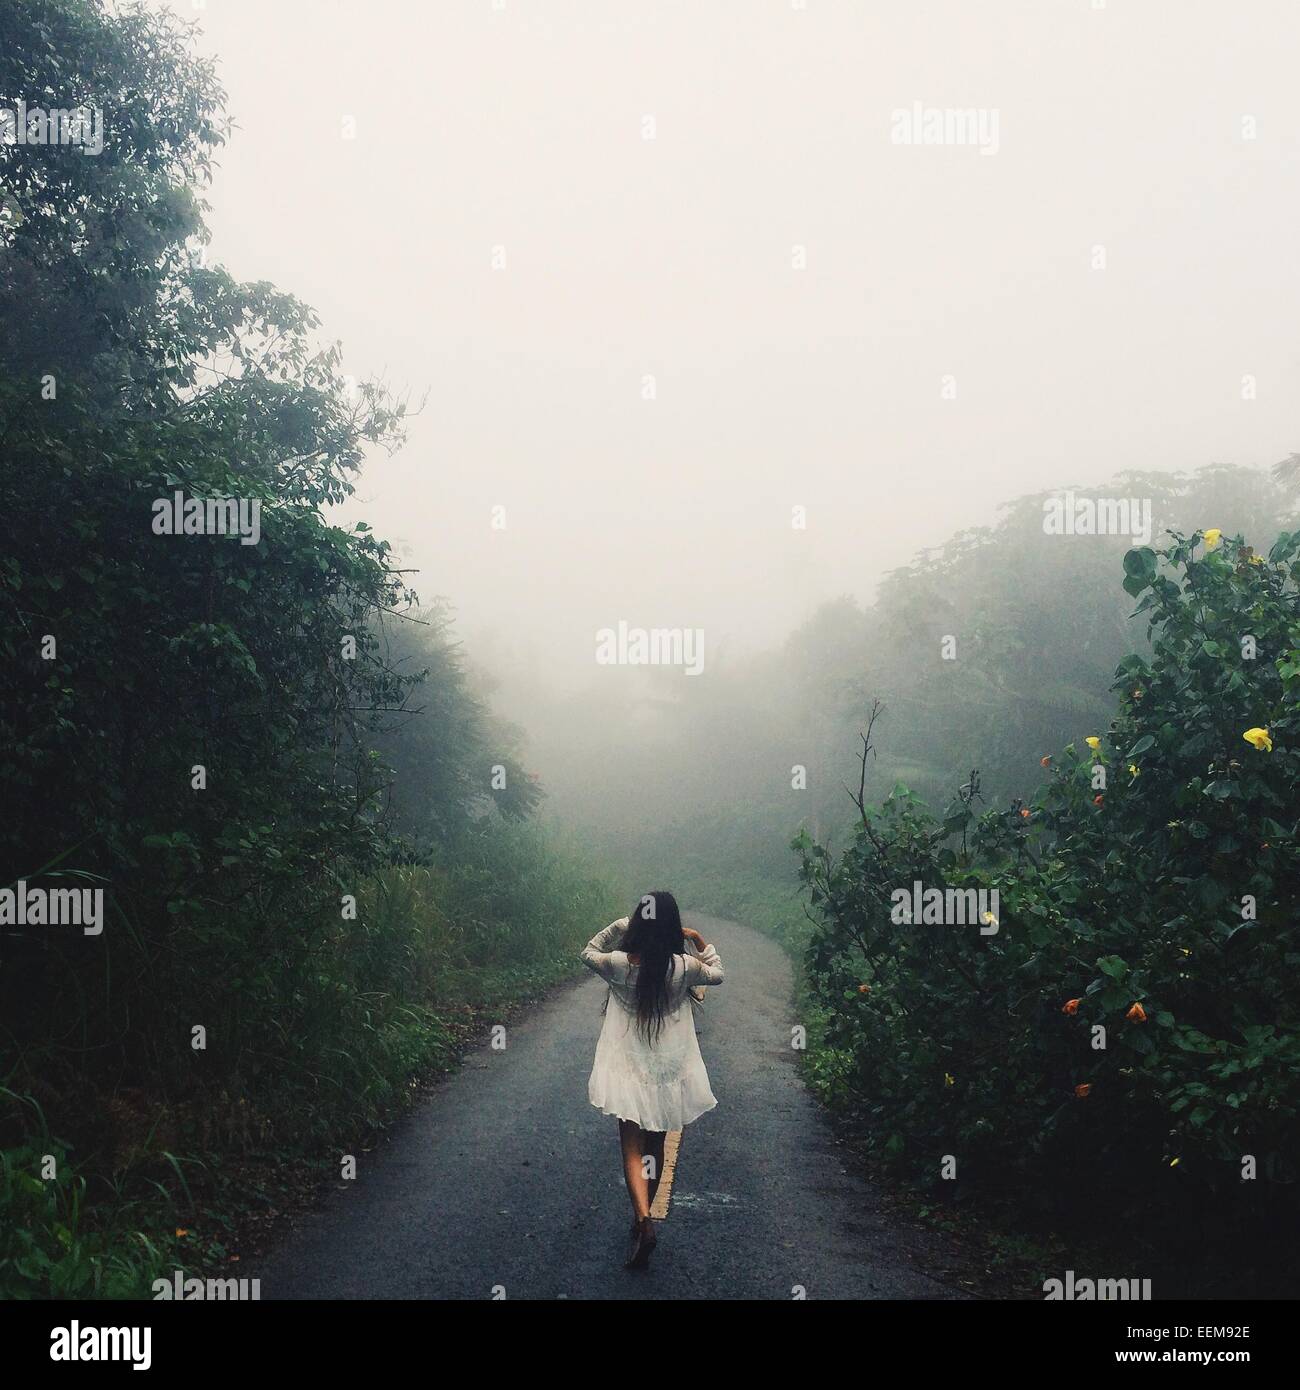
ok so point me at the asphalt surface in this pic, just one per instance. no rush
(507, 1179)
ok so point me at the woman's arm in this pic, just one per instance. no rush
(704, 969)
(595, 954)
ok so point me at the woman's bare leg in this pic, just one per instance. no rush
(630, 1137)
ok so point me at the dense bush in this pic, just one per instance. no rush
(1150, 890)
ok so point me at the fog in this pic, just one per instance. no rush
(705, 341)
(521, 127)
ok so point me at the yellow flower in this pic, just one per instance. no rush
(1132, 769)
(1256, 559)
(1174, 1162)
(1258, 738)
(1093, 742)
(1212, 538)
(990, 920)
(947, 1079)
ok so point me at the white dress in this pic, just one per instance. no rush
(660, 1086)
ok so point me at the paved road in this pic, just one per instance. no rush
(507, 1177)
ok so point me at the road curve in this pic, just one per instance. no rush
(506, 1179)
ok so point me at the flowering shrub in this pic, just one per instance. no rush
(1130, 1027)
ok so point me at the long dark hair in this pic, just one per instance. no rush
(654, 933)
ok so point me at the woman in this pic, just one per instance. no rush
(648, 1070)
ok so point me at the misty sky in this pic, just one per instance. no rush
(522, 128)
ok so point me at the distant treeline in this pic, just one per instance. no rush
(984, 654)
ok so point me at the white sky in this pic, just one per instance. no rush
(522, 127)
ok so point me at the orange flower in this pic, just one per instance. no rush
(864, 989)
(1082, 1091)
(1045, 762)
(1071, 1007)
(1137, 1013)
(1098, 799)
(1024, 814)
(1137, 694)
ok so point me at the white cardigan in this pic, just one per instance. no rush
(602, 955)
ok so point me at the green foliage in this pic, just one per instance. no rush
(46, 1247)
(346, 752)
(1039, 623)
(1173, 887)
(691, 782)
(131, 658)
(334, 1044)
(308, 1047)
(442, 745)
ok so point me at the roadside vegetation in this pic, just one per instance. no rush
(316, 849)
